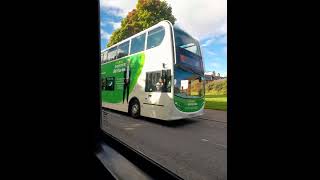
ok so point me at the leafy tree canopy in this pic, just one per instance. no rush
(146, 14)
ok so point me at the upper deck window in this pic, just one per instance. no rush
(137, 43)
(155, 37)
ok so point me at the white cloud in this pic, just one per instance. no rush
(201, 18)
(225, 50)
(102, 24)
(215, 65)
(104, 34)
(208, 42)
(223, 74)
(221, 40)
(118, 7)
(211, 53)
(218, 39)
(115, 25)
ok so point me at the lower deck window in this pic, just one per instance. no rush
(158, 81)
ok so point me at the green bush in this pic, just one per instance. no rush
(216, 87)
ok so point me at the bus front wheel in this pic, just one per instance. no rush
(134, 108)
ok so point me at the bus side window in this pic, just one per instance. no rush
(103, 83)
(123, 49)
(137, 43)
(154, 82)
(167, 84)
(151, 81)
(166, 79)
(148, 83)
(155, 37)
(112, 54)
(104, 57)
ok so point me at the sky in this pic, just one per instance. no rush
(204, 19)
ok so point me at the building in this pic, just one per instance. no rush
(211, 76)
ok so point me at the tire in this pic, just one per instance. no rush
(134, 108)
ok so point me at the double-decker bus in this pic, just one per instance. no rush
(157, 73)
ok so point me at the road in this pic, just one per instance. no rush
(192, 148)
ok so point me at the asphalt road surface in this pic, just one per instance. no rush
(192, 148)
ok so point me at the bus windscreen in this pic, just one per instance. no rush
(187, 51)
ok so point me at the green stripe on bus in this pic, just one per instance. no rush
(188, 104)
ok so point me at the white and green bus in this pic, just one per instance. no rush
(157, 73)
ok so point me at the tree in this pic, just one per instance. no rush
(146, 14)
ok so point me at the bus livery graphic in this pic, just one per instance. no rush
(117, 69)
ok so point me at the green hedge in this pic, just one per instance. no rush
(216, 87)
